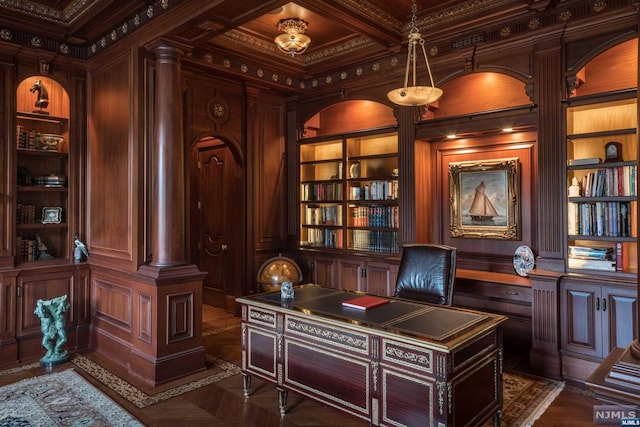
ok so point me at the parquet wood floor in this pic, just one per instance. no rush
(223, 404)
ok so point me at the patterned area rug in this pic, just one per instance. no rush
(59, 399)
(525, 397)
(219, 369)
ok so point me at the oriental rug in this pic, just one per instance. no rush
(59, 399)
(525, 398)
(218, 369)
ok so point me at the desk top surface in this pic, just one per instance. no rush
(415, 319)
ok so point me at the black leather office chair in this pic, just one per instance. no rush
(427, 273)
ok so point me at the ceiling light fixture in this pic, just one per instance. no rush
(415, 95)
(293, 41)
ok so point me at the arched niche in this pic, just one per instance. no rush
(58, 97)
(478, 92)
(349, 116)
(614, 69)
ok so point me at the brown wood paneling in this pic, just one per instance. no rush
(110, 192)
(620, 61)
(518, 144)
(483, 91)
(349, 116)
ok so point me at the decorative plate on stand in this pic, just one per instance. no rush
(523, 260)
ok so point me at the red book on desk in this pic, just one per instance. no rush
(365, 302)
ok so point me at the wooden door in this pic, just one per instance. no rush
(620, 312)
(220, 224)
(324, 272)
(380, 279)
(351, 275)
(582, 320)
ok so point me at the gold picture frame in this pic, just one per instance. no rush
(484, 200)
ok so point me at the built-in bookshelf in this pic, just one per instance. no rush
(349, 192)
(602, 184)
(42, 154)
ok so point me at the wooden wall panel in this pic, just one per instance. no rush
(270, 174)
(518, 144)
(480, 92)
(110, 181)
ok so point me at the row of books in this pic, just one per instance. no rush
(25, 214)
(324, 237)
(612, 219)
(592, 258)
(316, 192)
(323, 215)
(26, 249)
(375, 190)
(374, 241)
(618, 181)
(375, 216)
(25, 139)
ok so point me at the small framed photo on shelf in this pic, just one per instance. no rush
(613, 151)
(51, 215)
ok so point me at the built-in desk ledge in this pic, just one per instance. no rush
(490, 276)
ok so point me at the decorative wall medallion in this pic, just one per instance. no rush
(534, 23)
(226, 63)
(125, 28)
(275, 77)
(209, 58)
(244, 68)
(565, 15)
(5, 34)
(505, 31)
(150, 12)
(359, 71)
(328, 79)
(375, 67)
(394, 61)
(302, 85)
(64, 49)
(599, 5)
(114, 35)
(36, 41)
(343, 75)
(314, 83)
(260, 72)
(433, 51)
(289, 81)
(217, 110)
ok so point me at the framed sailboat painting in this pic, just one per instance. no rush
(484, 200)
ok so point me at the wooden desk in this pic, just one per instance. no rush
(403, 363)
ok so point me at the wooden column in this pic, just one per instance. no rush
(168, 295)
(167, 222)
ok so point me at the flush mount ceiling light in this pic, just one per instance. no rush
(415, 95)
(293, 42)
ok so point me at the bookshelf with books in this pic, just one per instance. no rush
(349, 193)
(42, 159)
(602, 185)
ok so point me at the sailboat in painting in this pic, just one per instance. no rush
(481, 208)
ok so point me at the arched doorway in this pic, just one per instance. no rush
(217, 219)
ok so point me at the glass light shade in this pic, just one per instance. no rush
(414, 95)
(292, 43)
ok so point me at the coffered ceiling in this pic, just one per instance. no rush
(340, 30)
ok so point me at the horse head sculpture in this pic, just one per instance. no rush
(43, 95)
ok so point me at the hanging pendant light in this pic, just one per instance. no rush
(415, 95)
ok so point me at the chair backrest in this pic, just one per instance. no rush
(427, 273)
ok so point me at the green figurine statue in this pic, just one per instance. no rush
(51, 314)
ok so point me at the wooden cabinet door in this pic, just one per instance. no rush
(324, 272)
(351, 275)
(581, 325)
(380, 279)
(620, 317)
